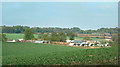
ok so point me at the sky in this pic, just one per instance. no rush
(85, 15)
(60, 0)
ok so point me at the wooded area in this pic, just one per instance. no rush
(21, 29)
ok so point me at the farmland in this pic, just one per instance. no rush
(19, 36)
(20, 53)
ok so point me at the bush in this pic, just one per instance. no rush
(3, 37)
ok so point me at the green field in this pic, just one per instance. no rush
(81, 38)
(17, 36)
(46, 54)
(20, 36)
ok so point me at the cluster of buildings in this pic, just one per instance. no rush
(85, 43)
(70, 42)
(32, 41)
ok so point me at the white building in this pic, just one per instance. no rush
(91, 44)
(68, 41)
(20, 39)
(11, 41)
(38, 41)
(71, 44)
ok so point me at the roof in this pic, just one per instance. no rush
(77, 41)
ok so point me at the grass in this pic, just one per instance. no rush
(17, 36)
(81, 38)
(46, 54)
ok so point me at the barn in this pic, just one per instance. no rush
(76, 43)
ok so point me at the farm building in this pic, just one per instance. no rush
(31, 41)
(77, 43)
(20, 40)
(38, 41)
(107, 44)
(91, 44)
(68, 41)
(11, 41)
(87, 43)
(38, 33)
(43, 41)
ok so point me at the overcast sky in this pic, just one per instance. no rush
(85, 15)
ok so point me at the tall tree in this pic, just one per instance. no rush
(71, 35)
(55, 37)
(28, 34)
(62, 37)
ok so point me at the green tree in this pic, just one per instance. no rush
(28, 34)
(21, 29)
(55, 37)
(62, 37)
(44, 37)
(3, 37)
(71, 35)
(75, 29)
(86, 38)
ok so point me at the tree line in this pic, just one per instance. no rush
(21, 29)
(59, 37)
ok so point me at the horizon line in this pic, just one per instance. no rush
(56, 27)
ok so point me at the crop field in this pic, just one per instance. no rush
(20, 53)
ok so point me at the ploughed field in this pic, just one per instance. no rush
(21, 53)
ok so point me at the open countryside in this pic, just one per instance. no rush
(35, 52)
(59, 33)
